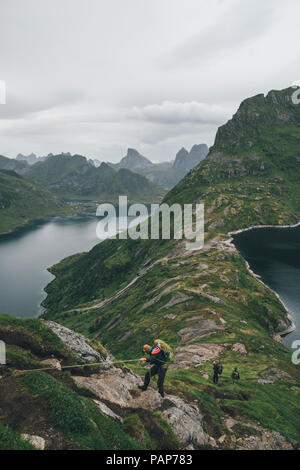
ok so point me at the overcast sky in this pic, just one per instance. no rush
(97, 76)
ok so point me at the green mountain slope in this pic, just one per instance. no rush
(11, 164)
(130, 292)
(74, 177)
(22, 200)
(49, 404)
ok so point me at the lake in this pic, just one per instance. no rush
(274, 254)
(26, 254)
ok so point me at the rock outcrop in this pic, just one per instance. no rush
(239, 348)
(37, 441)
(119, 387)
(75, 342)
(198, 331)
(194, 355)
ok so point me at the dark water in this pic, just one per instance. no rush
(274, 254)
(26, 254)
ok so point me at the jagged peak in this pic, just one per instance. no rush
(182, 151)
(197, 147)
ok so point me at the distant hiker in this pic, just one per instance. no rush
(235, 375)
(217, 369)
(160, 357)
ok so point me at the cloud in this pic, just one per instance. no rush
(81, 79)
(244, 21)
(21, 106)
(166, 133)
(169, 112)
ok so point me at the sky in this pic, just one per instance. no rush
(94, 77)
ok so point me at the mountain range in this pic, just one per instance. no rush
(72, 176)
(75, 177)
(166, 174)
(32, 158)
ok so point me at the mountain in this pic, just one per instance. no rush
(165, 174)
(181, 158)
(205, 303)
(74, 177)
(22, 201)
(32, 158)
(12, 164)
(134, 161)
(97, 162)
(187, 160)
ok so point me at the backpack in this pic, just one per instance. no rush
(169, 356)
(219, 368)
(235, 375)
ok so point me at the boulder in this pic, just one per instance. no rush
(36, 441)
(52, 363)
(113, 385)
(107, 411)
(75, 342)
(239, 348)
(186, 423)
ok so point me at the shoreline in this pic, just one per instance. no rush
(230, 242)
(38, 219)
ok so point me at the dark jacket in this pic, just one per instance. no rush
(157, 357)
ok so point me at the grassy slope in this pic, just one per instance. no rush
(22, 201)
(11, 164)
(48, 404)
(251, 177)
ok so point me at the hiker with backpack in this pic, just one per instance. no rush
(217, 369)
(160, 356)
(235, 375)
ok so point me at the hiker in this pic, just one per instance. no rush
(217, 369)
(235, 375)
(160, 356)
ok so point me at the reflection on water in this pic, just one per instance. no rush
(274, 254)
